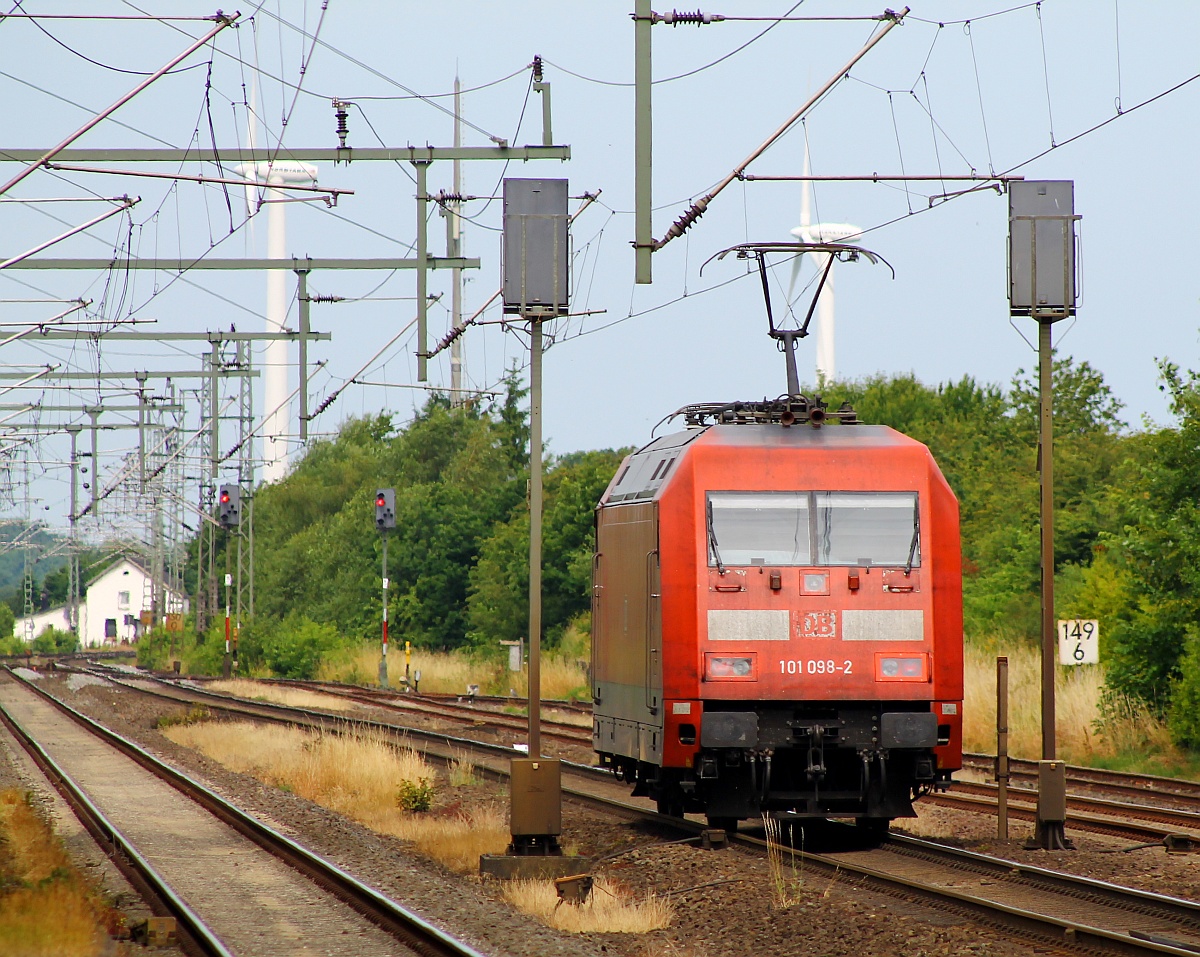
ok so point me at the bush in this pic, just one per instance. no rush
(1183, 717)
(54, 641)
(8, 621)
(415, 795)
(294, 647)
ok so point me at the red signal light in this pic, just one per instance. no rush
(224, 498)
(380, 502)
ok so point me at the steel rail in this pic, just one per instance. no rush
(1128, 828)
(1094, 806)
(572, 733)
(393, 701)
(198, 938)
(1118, 781)
(411, 929)
(1067, 930)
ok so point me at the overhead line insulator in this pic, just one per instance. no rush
(677, 17)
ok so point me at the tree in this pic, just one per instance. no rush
(8, 621)
(457, 473)
(1159, 549)
(985, 442)
(498, 606)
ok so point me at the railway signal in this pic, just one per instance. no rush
(385, 509)
(229, 510)
(385, 518)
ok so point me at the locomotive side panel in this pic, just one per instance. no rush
(626, 633)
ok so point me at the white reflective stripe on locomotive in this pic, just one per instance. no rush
(727, 624)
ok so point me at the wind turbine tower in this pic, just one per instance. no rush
(808, 232)
(275, 374)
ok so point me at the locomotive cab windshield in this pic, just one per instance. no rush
(814, 528)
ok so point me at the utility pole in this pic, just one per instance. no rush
(453, 251)
(73, 560)
(1042, 286)
(535, 287)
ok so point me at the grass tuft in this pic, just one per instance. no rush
(195, 714)
(462, 770)
(787, 880)
(608, 910)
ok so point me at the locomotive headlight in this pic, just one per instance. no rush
(906, 668)
(723, 667)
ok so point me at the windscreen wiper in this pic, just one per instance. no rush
(712, 540)
(912, 546)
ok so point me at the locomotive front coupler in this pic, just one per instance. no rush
(816, 754)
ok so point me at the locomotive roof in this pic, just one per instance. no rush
(795, 436)
(646, 470)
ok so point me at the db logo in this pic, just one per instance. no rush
(818, 624)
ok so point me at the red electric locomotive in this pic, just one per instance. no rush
(777, 617)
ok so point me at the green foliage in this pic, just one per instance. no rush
(8, 621)
(1183, 718)
(54, 641)
(415, 795)
(498, 607)
(985, 441)
(1127, 528)
(1159, 545)
(457, 473)
(294, 648)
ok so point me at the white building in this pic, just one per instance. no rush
(51, 618)
(111, 611)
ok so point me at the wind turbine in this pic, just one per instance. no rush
(808, 232)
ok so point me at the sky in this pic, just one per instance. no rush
(1102, 93)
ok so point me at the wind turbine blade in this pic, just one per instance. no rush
(252, 136)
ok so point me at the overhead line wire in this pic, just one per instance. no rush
(681, 76)
(34, 17)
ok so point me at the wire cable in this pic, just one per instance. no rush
(33, 18)
(681, 76)
(979, 92)
(1046, 72)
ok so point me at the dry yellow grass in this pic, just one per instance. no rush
(292, 697)
(356, 774)
(783, 864)
(609, 909)
(46, 908)
(454, 672)
(1084, 732)
(561, 678)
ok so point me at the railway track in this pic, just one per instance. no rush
(1135, 822)
(234, 884)
(1057, 910)
(474, 709)
(1169, 792)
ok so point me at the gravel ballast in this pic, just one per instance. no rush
(723, 901)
